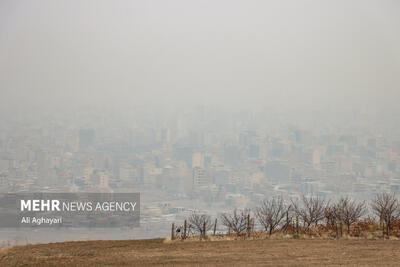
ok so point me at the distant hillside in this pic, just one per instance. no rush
(240, 252)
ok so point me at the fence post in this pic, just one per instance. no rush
(173, 231)
(293, 227)
(248, 225)
(204, 229)
(184, 230)
(215, 226)
(287, 221)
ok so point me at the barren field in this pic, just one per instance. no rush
(245, 252)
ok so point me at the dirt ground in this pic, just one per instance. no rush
(243, 253)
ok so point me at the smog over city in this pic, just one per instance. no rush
(201, 108)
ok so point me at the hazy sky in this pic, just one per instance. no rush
(223, 52)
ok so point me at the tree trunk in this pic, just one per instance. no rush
(184, 230)
(287, 221)
(337, 230)
(204, 229)
(388, 229)
(383, 229)
(173, 231)
(248, 225)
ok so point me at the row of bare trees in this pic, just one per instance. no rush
(312, 210)
(346, 210)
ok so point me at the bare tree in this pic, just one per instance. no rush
(310, 210)
(271, 213)
(330, 214)
(196, 221)
(349, 211)
(237, 221)
(289, 214)
(386, 207)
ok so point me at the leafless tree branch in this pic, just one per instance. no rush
(237, 221)
(271, 213)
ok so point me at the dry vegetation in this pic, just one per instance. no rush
(308, 217)
(365, 229)
(242, 252)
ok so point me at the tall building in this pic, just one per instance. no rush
(197, 160)
(278, 170)
(199, 177)
(316, 157)
(254, 151)
(86, 138)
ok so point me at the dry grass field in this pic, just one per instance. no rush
(240, 252)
